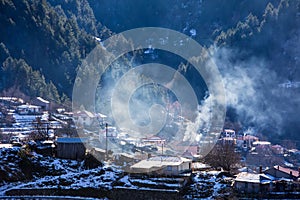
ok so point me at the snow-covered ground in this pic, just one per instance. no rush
(54, 173)
(207, 185)
(48, 172)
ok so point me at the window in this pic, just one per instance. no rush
(169, 168)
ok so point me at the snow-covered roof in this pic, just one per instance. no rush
(42, 100)
(48, 142)
(245, 169)
(101, 115)
(160, 161)
(12, 99)
(84, 113)
(6, 146)
(229, 130)
(261, 143)
(252, 178)
(227, 138)
(98, 150)
(28, 106)
(89, 114)
(198, 165)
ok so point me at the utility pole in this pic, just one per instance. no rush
(106, 130)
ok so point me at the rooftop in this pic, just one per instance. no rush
(28, 106)
(42, 100)
(160, 161)
(261, 143)
(247, 137)
(251, 177)
(229, 130)
(295, 173)
(71, 140)
(153, 138)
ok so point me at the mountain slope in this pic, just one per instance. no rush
(48, 42)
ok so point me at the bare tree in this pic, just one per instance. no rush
(41, 130)
(223, 155)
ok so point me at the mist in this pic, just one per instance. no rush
(257, 93)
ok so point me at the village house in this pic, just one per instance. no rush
(85, 118)
(71, 148)
(246, 182)
(26, 109)
(245, 142)
(198, 166)
(111, 131)
(228, 133)
(189, 155)
(154, 140)
(101, 118)
(276, 179)
(11, 101)
(125, 160)
(187, 147)
(162, 165)
(227, 140)
(98, 153)
(190, 151)
(39, 101)
(262, 144)
(279, 172)
(277, 149)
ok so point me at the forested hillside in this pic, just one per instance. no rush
(40, 41)
(254, 43)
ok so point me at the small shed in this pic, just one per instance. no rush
(71, 148)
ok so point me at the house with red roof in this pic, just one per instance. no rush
(279, 172)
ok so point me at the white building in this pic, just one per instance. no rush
(85, 118)
(29, 109)
(252, 183)
(43, 103)
(162, 165)
(154, 140)
(229, 133)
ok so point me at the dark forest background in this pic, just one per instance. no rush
(42, 43)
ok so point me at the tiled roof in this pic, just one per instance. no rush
(287, 170)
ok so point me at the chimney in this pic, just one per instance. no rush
(299, 172)
(291, 174)
(260, 169)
